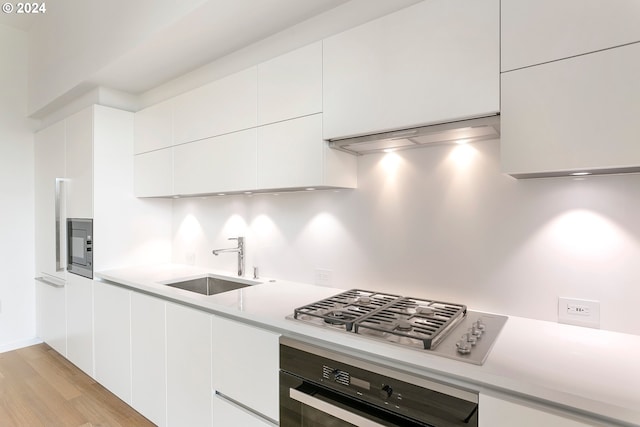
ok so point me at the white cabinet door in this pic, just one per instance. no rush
(538, 31)
(436, 61)
(292, 154)
(226, 414)
(224, 106)
(49, 157)
(494, 412)
(188, 367)
(148, 357)
(246, 365)
(154, 128)
(80, 322)
(290, 85)
(79, 154)
(573, 115)
(220, 164)
(112, 337)
(153, 173)
(51, 313)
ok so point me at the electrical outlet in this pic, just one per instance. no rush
(579, 312)
(191, 258)
(323, 277)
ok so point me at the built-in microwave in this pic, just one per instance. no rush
(80, 246)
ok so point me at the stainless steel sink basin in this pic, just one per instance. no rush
(209, 285)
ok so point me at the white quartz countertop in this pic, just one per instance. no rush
(590, 371)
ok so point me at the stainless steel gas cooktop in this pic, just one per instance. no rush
(446, 329)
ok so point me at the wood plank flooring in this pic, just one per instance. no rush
(38, 387)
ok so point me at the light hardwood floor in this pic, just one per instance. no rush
(38, 387)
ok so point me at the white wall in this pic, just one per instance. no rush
(440, 222)
(17, 290)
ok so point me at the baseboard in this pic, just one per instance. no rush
(4, 347)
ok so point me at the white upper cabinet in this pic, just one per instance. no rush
(292, 154)
(290, 85)
(79, 161)
(436, 61)
(153, 173)
(154, 128)
(224, 106)
(578, 114)
(538, 31)
(220, 164)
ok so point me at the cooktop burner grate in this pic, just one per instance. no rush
(344, 309)
(421, 322)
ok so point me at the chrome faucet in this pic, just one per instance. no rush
(239, 250)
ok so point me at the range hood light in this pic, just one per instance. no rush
(461, 131)
(580, 173)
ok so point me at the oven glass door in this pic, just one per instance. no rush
(303, 404)
(78, 247)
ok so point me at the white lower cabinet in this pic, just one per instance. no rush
(496, 412)
(188, 367)
(51, 321)
(246, 366)
(112, 338)
(80, 322)
(148, 357)
(226, 413)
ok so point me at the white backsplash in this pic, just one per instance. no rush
(440, 222)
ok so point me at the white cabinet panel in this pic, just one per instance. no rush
(537, 31)
(153, 173)
(154, 128)
(246, 365)
(572, 115)
(79, 163)
(290, 85)
(224, 163)
(148, 357)
(80, 322)
(494, 412)
(112, 337)
(226, 414)
(290, 153)
(188, 367)
(52, 315)
(224, 106)
(413, 67)
(49, 157)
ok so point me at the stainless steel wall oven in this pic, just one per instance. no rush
(80, 246)
(320, 387)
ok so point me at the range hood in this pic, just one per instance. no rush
(470, 130)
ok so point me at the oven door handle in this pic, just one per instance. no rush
(332, 410)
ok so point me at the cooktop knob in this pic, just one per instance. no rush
(464, 347)
(386, 391)
(470, 338)
(479, 324)
(475, 331)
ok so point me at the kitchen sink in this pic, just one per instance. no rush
(209, 285)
